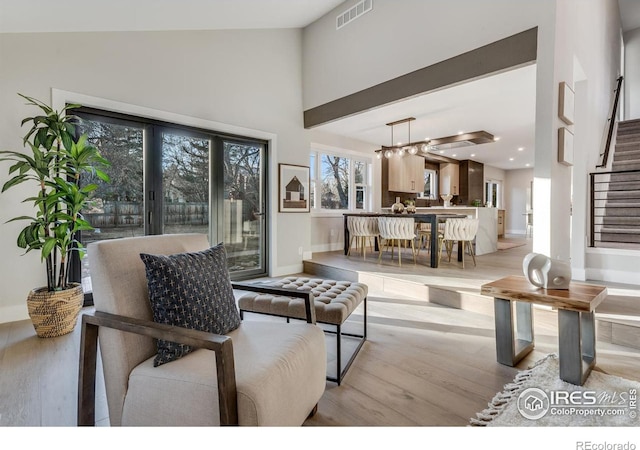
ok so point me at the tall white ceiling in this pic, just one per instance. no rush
(20, 16)
(629, 14)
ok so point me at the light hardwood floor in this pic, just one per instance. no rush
(423, 365)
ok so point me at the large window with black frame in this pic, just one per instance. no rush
(169, 178)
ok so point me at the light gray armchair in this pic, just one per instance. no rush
(262, 373)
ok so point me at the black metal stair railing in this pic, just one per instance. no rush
(604, 156)
(615, 209)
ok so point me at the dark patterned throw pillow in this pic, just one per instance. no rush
(190, 290)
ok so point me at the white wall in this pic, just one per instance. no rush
(398, 37)
(251, 79)
(516, 186)
(587, 56)
(632, 74)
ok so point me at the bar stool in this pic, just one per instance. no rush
(462, 231)
(397, 229)
(362, 229)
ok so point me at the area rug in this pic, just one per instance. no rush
(508, 245)
(538, 397)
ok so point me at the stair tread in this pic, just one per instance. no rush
(618, 230)
(618, 245)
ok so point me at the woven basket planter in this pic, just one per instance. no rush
(55, 313)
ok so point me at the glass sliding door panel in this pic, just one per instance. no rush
(117, 207)
(185, 183)
(244, 227)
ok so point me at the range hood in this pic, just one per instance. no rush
(461, 140)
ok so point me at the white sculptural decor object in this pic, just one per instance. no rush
(547, 273)
(446, 198)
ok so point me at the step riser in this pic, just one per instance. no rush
(616, 333)
(629, 122)
(614, 196)
(623, 238)
(627, 181)
(627, 147)
(626, 131)
(616, 187)
(623, 212)
(629, 125)
(625, 165)
(620, 230)
(630, 222)
(627, 139)
(631, 155)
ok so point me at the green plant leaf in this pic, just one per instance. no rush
(21, 218)
(49, 245)
(89, 188)
(67, 141)
(14, 181)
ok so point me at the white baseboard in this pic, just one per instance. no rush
(13, 313)
(515, 231)
(286, 270)
(320, 248)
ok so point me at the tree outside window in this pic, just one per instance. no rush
(338, 182)
(335, 182)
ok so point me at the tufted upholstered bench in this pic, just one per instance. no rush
(334, 303)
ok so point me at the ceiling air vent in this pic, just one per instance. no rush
(353, 13)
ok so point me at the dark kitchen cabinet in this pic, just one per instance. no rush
(471, 181)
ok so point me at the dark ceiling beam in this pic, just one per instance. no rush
(514, 51)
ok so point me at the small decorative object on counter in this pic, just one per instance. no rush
(411, 206)
(547, 273)
(446, 198)
(477, 203)
(397, 207)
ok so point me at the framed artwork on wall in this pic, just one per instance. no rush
(565, 146)
(566, 104)
(293, 188)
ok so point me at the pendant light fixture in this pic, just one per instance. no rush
(397, 148)
(388, 153)
(413, 149)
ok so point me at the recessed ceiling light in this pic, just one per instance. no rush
(454, 155)
(496, 138)
(527, 165)
(473, 154)
(441, 151)
(510, 159)
(520, 149)
(427, 138)
(460, 132)
(399, 143)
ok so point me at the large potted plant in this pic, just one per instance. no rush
(54, 167)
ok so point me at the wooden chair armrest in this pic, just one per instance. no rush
(309, 305)
(221, 345)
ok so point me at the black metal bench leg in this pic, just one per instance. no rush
(339, 354)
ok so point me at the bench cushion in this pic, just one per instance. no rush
(334, 300)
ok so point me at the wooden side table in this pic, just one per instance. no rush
(576, 323)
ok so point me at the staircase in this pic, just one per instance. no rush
(621, 213)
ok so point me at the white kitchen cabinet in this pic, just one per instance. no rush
(406, 173)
